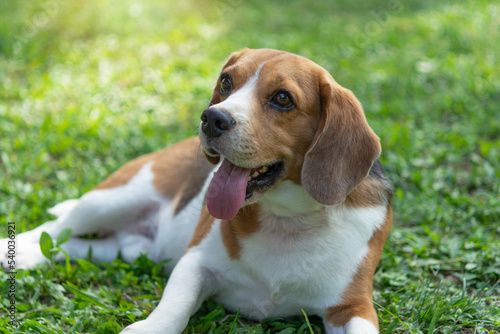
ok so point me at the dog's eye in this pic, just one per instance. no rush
(226, 85)
(282, 100)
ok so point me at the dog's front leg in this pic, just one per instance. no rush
(188, 286)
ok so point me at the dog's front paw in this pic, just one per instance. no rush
(141, 327)
(155, 326)
(359, 325)
(130, 330)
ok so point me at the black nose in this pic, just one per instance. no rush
(214, 122)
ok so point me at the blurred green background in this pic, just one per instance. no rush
(86, 86)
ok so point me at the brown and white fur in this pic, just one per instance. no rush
(308, 236)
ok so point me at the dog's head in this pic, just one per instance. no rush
(277, 116)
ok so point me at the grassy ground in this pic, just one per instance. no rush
(86, 86)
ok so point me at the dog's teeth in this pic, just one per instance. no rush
(264, 169)
(255, 174)
(249, 178)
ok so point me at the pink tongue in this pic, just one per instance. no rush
(227, 190)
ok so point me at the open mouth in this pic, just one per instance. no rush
(232, 185)
(263, 177)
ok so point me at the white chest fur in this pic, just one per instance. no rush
(304, 256)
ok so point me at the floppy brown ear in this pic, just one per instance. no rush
(343, 149)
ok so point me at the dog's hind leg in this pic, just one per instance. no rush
(132, 206)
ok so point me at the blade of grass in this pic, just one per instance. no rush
(234, 322)
(86, 296)
(307, 321)
(432, 324)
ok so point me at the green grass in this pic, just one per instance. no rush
(86, 86)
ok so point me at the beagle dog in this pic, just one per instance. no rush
(281, 203)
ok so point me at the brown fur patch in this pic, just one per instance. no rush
(179, 171)
(203, 228)
(230, 240)
(242, 226)
(362, 307)
(358, 299)
(125, 173)
(369, 193)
